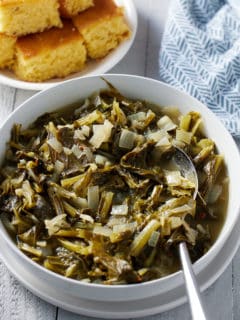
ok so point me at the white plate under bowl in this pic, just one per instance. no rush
(93, 67)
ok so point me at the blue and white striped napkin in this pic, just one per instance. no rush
(200, 54)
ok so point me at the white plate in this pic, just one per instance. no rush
(93, 67)
(126, 309)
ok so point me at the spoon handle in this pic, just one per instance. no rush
(194, 297)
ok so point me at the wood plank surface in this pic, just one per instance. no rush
(236, 286)
(7, 100)
(17, 303)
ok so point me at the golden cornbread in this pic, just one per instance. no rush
(52, 53)
(7, 45)
(70, 8)
(21, 17)
(102, 27)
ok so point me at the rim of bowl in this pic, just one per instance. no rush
(198, 265)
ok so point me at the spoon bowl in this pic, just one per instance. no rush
(187, 169)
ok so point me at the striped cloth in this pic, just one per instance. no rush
(200, 54)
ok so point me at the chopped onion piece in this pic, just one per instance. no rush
(127, 139)
(214, 194)
(142, 271)
(181, 209)
(163, 142)
(69, 126)
(76, 151)
(185, 121)
(166, 124)
(125, 227)
(201, 229)
(101, 133)
(139, 116)
(142, 238)
(184, 136)
(157, 135)
(56, 223)
(173, 177)
(70, 270)
(93, 117)
(86, 130)
(93, 197)
(59, 166)
(67, 151)
(55, 144)
(82, 133)
(82, 151)
(176, 222)
(121, 210)
(87, 151)
(27, 192)
(190, 233)
(42, 243)
(22, 161)
(86, 217)
(102, 230)
(80, 202)
(120, 231)
(153, 240)
(178, 143)
(116, 220)
(139, 139)
(93, 167)
(101, 160)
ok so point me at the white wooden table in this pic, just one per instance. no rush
(223, 298)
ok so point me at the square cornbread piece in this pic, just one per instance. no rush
(70, 8)
(20, 17)
(102, 26)
(7, 48)
(52, 53)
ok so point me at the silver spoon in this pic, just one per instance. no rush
(188, 170)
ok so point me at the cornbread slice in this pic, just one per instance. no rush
(20, 17)
(70, 8)
(52, 53)
(7, 45)
(102, 26)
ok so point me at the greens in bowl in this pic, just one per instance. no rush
(88, 192)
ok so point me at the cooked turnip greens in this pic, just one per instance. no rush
(90, 194)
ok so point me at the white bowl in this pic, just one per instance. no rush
(141, 88)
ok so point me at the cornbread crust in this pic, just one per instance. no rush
(70, 8)
(52, 53)
(102, 27)
(7, 46)
(22, 17)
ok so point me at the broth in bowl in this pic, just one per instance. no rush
(86, 192)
